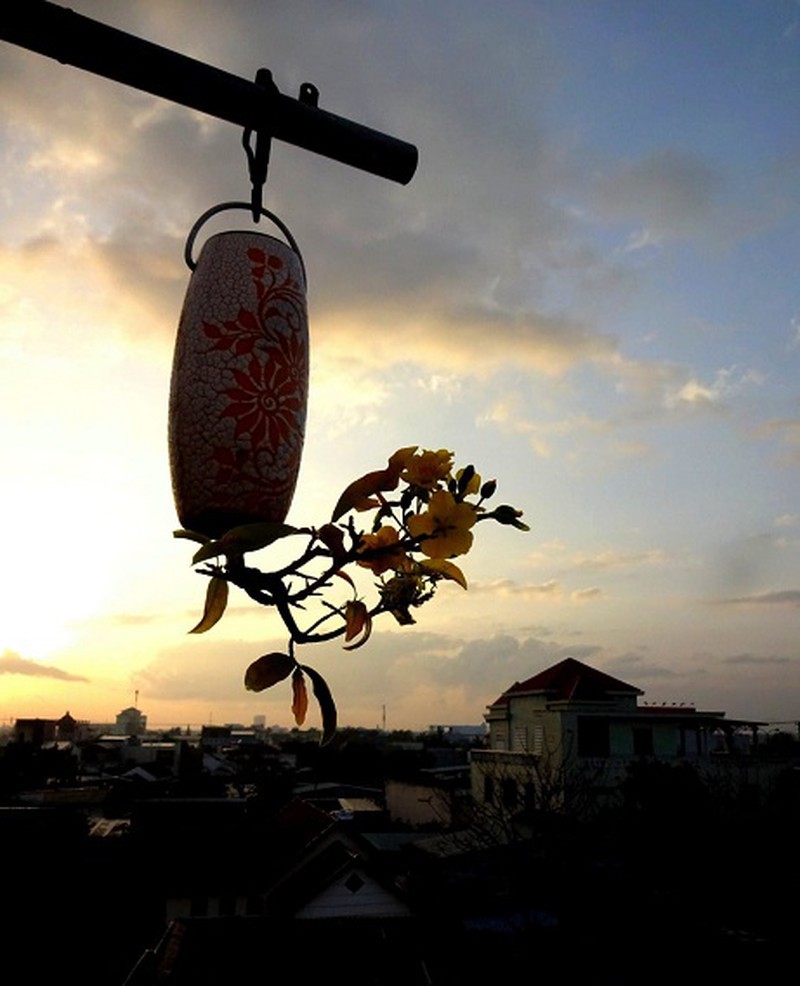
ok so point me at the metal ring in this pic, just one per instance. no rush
(191, 263)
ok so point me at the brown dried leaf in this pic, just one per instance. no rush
(268, 671)
(343, 575)
(299, 697)
(333, 539)
(358, 621)
(216, 601)
(355, 615)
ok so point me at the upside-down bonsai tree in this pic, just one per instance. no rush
(403, 523)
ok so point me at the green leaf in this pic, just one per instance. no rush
(247, 537)
(268, 671)
(216, 601)
(192, 536)
(326, 704)
(209, 550)
(252, 537)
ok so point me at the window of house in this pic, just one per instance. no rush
(643, 741)
(520, 739)
(538, 739)
(509, 792)
(593, 737)
(198, 907)
(255, 905)
(227, 906)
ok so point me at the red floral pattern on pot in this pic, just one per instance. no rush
(239, 384)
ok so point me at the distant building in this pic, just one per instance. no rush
(215, 737)
(459, 735)
(568, 734)
(37, 732)
(131, 722)
(67, 728)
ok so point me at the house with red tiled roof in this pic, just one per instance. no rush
(569, 733)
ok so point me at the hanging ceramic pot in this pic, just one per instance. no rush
(239, 387)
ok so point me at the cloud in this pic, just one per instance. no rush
(507, 587)
(794, 340)
(637, 666)
(671, 193)
(610, 559)
(727, 382)
(132, 619)
(507, 412)
(419, 672)
(784, 597)
(474, 339)
(787, 520)
(13, 663)
(755, 659)
(640, 239)
(582, 595)
(787, 432)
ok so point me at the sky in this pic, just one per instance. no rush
(589, 290)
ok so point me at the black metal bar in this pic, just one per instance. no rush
(73, 39)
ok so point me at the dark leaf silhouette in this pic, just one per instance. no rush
(326, 704)
(268, 671)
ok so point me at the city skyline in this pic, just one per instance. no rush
(589, 291)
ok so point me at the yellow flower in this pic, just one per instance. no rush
(428, 468)
(384, 538)
(448, 525)
(473, 486)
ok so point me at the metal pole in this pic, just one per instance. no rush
(73, 39)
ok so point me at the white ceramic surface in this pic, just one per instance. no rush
(239, 384)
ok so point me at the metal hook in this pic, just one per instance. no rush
(258, 157)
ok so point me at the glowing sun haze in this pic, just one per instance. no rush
(589, 290)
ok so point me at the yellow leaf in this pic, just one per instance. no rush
(445, 568)
(299, 697)
(216, 601)
(359, 494)
(268, 671)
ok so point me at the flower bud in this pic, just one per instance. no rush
(509, 515)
